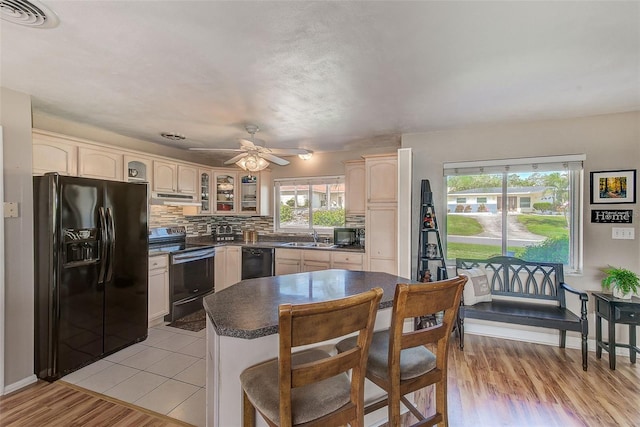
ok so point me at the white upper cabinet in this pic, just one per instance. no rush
(220, 191)
(241, 192)
(171, 177)
(382, 178)
(100, 163)
(53, 154)
(355, 197)
(188, 179)
(226, 191)
(206, 181)
(249, 193)
(165, 176)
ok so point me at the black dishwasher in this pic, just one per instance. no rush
(257, 262)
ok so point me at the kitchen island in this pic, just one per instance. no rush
(242, 327)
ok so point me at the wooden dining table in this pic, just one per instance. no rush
(242, 328)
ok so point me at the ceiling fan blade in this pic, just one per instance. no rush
(274, 159)
(236, 158)
(217, 149)
(288, 151)
(245, 143)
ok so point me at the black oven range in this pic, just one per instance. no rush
(191, 269)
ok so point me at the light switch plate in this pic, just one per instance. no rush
(11, 209)
(625, 233)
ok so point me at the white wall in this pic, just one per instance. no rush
(609, 141)
(324, 164)
(15, 118)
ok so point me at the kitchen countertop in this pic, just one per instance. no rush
(207, 240)
(249, 309)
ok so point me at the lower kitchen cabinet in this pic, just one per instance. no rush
(313, 260)
(233, 266)
(158, 288)
(382, 236)
(228, 266)
(289, 261)
(347, 260)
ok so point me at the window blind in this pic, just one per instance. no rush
(531, 164)
(309, 181)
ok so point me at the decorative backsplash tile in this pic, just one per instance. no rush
(166, 216)
(356, 221)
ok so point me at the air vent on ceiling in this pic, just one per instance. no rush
(27, 13)
(172, 136)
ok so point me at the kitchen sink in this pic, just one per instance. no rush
(310, 245)
(321, 245)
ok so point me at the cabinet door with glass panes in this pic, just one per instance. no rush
(248, 193)
(225, 192)
(206, 178)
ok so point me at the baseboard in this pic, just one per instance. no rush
(20, 384)
(539, 336)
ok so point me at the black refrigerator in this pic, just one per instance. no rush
(91, 268)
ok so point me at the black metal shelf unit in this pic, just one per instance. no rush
(430, 252)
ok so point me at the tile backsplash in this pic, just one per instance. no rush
(166, 216)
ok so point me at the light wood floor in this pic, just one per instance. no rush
(496, 382)
(493, 382)
(61, 404)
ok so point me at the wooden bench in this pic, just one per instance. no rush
(518, 291)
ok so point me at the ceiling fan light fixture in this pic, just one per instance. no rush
(306, 156)
(252, 163)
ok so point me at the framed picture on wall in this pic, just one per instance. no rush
(608, 187)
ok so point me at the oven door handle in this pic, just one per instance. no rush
(182, 257)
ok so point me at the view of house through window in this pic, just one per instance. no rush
(310, 204)
(527, 208)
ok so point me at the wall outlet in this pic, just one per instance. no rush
(11, 210)
(625, 233)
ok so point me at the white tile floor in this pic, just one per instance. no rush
(164, 373)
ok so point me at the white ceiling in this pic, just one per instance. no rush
(324, 76)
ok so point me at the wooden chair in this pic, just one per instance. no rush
(312, 387)
(400, 363)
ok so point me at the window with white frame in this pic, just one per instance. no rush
(307, 204)
(531, 209)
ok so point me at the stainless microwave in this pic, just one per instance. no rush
(348, 236)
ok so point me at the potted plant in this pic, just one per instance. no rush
(624, 283)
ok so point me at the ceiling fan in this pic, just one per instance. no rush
(253, 157)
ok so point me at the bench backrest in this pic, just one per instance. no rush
(511, 276)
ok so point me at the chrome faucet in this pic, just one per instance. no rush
(315, 236)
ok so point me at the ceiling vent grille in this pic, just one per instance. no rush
(27, 13)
